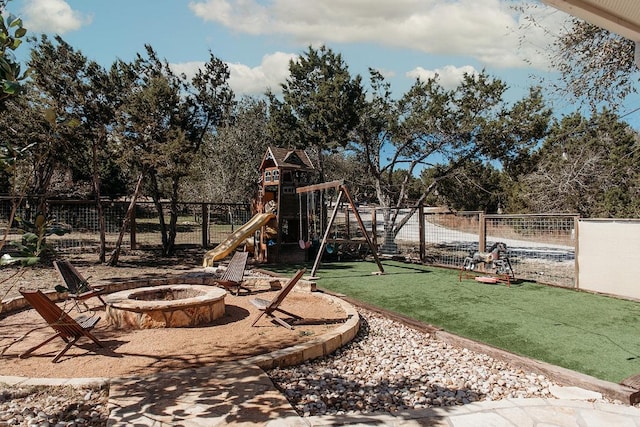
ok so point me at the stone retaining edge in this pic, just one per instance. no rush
(321, 346)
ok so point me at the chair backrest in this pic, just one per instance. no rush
(235, 269)
(277, 300)
(52, 314)
(72, 278)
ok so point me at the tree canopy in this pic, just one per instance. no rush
(320, 104)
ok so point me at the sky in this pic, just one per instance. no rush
(403, 39)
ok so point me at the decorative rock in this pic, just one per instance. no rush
(383, 368)
(52, 406)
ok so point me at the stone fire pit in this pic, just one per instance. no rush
(167, 306)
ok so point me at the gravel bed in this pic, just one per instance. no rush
(53, 406)
(390, 367)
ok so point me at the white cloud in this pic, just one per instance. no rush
(487, 30)
(52, 16)
(272, 71)
(449, 76)
(187, 68)
(245, 80)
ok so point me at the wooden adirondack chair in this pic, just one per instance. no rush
(232, 277)
(68, 329)
(269, 307)
(78, 288)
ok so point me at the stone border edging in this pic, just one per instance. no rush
(319, 347)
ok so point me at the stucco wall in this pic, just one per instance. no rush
(609, 257)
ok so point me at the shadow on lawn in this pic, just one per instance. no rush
(389, 270)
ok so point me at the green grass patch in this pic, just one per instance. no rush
(592, 334)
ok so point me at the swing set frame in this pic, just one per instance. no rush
(343, 193)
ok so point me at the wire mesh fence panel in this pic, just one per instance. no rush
(189, 225)
(540, 247)
(224, 219)
(397, 231)
(79, 217)
(82, 219)
(450, 236)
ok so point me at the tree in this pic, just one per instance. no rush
(61, 87)
(10, 77)
(150, 137)
(430, 126)
(164, 121)
(474, 186)
(597, 67)
(589, 166)
(227, 168)
(320, 104)
(11, 35)
(81, 102)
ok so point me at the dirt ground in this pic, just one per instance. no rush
(141, 352)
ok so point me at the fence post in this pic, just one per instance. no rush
(132, 228)
(346, 223)
(576, 237)
(482, 232)
(205, 225)
(374, 228)
(421, 231)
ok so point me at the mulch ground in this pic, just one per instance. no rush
(141, 352)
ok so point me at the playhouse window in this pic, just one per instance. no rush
(267, 176)
(276, 176)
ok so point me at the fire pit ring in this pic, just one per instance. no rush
(167, 306)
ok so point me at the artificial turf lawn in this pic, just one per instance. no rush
(593, 334)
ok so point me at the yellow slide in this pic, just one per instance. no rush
(236, 238)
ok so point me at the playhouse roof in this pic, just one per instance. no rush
(286, 158)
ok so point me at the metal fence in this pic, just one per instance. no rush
(199, 224)
(540, 247)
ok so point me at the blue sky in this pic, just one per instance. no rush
(404, 39)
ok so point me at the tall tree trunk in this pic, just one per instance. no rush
(96, 186)
(155, 195)
(173, 219)
(113, 261)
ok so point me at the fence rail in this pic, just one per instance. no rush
(540, 247)
(199, 224)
